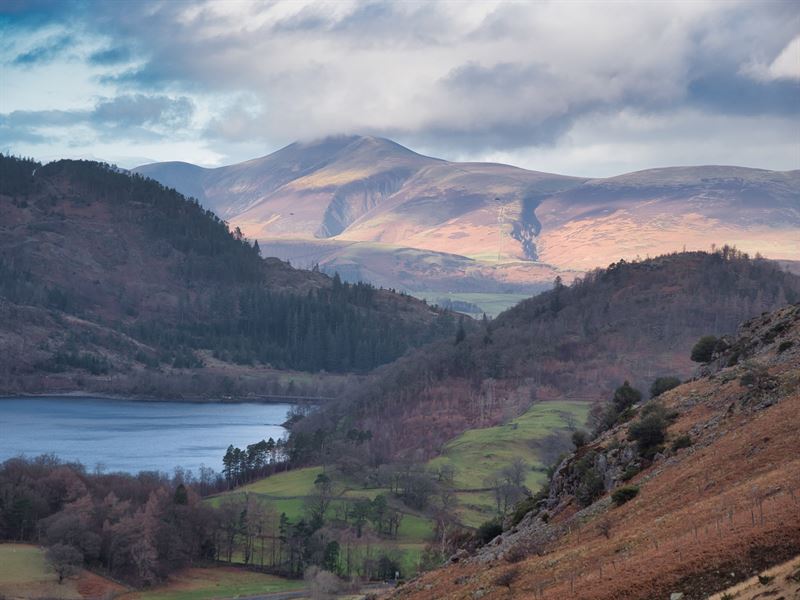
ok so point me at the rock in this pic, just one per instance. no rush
(676, 596)
(459, 555)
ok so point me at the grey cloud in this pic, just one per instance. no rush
(110, 56)
(137, 110)
(733, 93)
(131, 117)
(470, 75)
(46, 52)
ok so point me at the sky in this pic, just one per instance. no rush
(580, 88)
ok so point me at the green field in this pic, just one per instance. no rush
(287, 493)
(21, 563)
(24, 574)
(299, 482)
(490, 303)
(217, 582)
(477, 454)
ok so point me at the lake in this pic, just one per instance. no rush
(132, 436)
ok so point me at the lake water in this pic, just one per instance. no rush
(126, 435)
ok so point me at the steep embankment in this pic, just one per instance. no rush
(633, 321)
(713, 504)
(107, 276)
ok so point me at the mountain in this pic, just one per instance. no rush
(632, 321)
(111, 279)
(365, 206)
(705, 500)
(650, 212)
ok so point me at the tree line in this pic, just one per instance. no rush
(631, 320)
(223, 296)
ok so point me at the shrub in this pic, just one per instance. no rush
(626, 415)
(624, 494)
(488, 531)
(626, 396)
(784, 346)
(654, 408)
(523, 507)
(663, 384)
(703, 350)
(682, 441)
(590, 485)
(579, 438)
(648, 432)
(521, 550)
(506, 578)
(631, 472)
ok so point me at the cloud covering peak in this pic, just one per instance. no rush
(538, 84)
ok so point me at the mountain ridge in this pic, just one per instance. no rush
(522, 227)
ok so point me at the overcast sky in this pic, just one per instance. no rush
(578, 88)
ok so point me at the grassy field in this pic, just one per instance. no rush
(24, 574)
(490, 303)
(21, 563)
(477, 454)
(299, 482)
(216, 582)
(287, 492)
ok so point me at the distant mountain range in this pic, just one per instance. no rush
(373, 209)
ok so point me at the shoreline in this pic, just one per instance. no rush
(183, 400)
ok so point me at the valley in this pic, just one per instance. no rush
(386, 300)
(425, 435)
(715, 505)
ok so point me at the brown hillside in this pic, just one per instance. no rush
(707, 516)
(113, 280)
(634, 321)
(342, 198)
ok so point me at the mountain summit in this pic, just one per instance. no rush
(373, 209)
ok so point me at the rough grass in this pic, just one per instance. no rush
(475, 508)
(298, 482)
(478, 453)
(216, 582)
(414, 529)
(21, 563)
(24, 574)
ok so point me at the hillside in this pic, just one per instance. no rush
(711, 505)
(113, 280)
(373, 209)
(633, 321)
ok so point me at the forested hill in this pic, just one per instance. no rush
(634, 321)
(103, 273)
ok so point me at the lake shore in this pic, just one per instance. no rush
(133, 436)
(182, 399)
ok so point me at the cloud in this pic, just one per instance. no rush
(468, 78)
(138, 109)
(787, 63)
(51, 49)
(785, 66)
(124, 117)
(110, 56)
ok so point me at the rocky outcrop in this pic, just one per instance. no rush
(751, 369)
